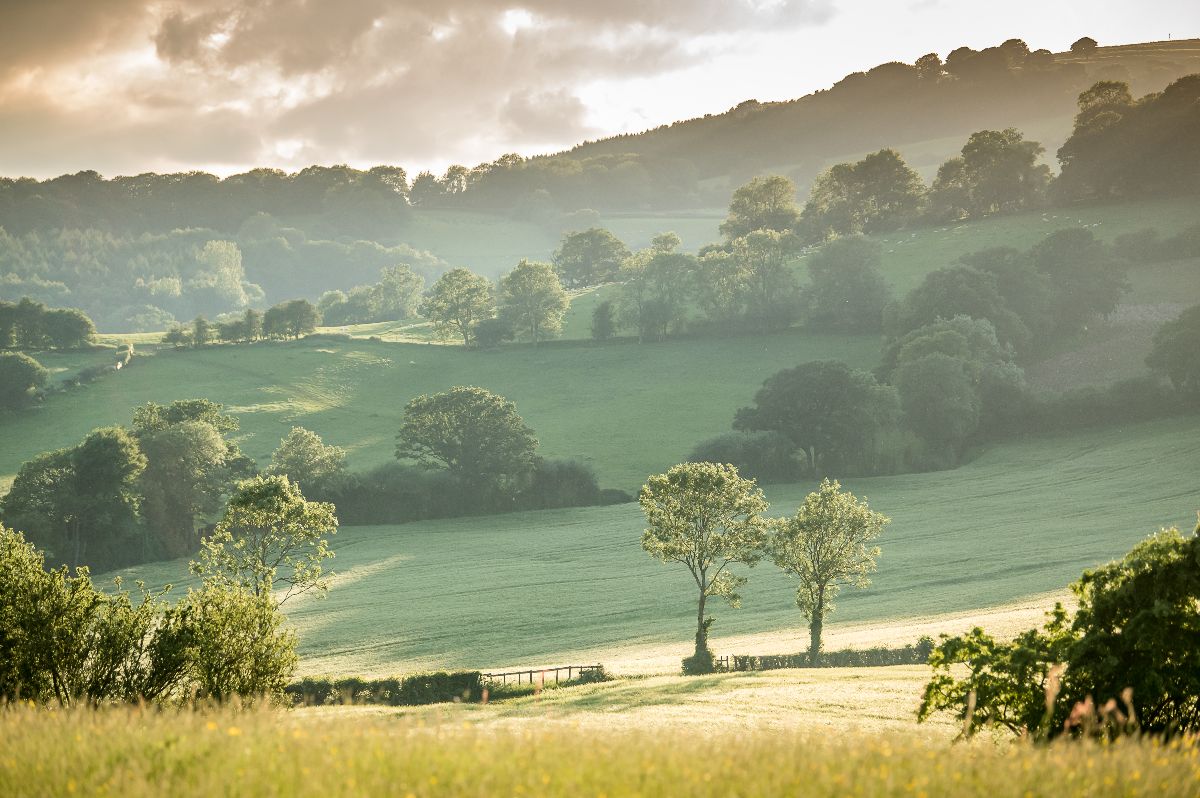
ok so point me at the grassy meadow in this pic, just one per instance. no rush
(573, 586)
(626, 410)
(134, 752)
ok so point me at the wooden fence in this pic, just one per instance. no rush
(519, 676)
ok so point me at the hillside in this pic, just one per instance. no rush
(561, 585)
(888, 107)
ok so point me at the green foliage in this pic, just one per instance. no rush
(414, 690)
(763, 256)
(532, 300)
(1086, 280)
(270, 540)
(846, 291)
(589, 257)
(706, 518)
(305, 459)
(395, 297)
(958, 291)
(997, 172)
(834, 414)
(475, 434)
(491, 333)
(290, 319)
(766, 457)
(940, 401)
(1135, 636)
(912, 654)
(20, 377)
(1176, 352)
(238, 645)
(880, 192)
(1123, 148)
(456, 302)
(656, 289)
(826, 545)
(765, 203)
(29, 324)
(604, 322)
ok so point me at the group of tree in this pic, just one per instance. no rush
(64, 641)
(528, 303)
(1127, 660)
(708, 518)
(940, 388)
(291, 319)
(394, 298)
(144, 282)
(29, 324)
(21, 377)
(128, 495)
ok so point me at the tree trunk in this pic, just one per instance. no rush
(814, 628)
(701, 630)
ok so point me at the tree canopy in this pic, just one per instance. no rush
(532, 301)
(473, 433)
(457, 301)
(706, 518)
(826, 545)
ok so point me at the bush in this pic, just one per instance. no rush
(614, 496)
(560, 483)
(415, 690)
(20, 377)
(916, 654)
(490, 333)
(764, 456)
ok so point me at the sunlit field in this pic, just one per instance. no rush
(134, 752)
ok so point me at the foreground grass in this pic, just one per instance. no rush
(133, 752)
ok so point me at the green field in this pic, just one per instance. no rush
(627, 410)
(531, 588)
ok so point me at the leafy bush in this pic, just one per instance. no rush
(415, 690)
(1136, 636)
(560, 483)
(764, 456)
(913, 654)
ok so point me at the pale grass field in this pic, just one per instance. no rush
(132, 753)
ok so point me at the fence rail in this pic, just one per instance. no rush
(529, 674)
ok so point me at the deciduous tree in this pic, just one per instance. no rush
(532, 300)
(706, 518)
(457, 301)
(826, 545)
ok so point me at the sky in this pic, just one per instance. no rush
(130, 86)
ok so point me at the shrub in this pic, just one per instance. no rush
(560, 483)
(415, 690)
(764, 456)
(913, 654)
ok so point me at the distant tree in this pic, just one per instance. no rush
(656, 288)
(826, 545)
(940, 401)
(768, 457)
(1026, 291)
(1084, 46)
(20, 377)
(589, 257)
(398, 293)
(1086, 278)
(271, 541)
(831, 412)
(765, 203)
(707, 518)
(29, 317)
(67, 328)
(723, 287)
(957, 291)
(8, 325)
(426, 190)
(846, 290)
(187, 474)
(604, 323)
(532, 300)
(997, 172)
(1176, 352)
(152, 416)
(81, 504)
(491, 333)
(475, 434)
(291, 319)
(880, 192)
(305, 459)
(457, 301)
(771, 291)
(178, 336)
(202, 332)
(929, 67)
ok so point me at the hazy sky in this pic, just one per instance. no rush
(127, 86)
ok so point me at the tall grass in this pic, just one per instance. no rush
(136, 752)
